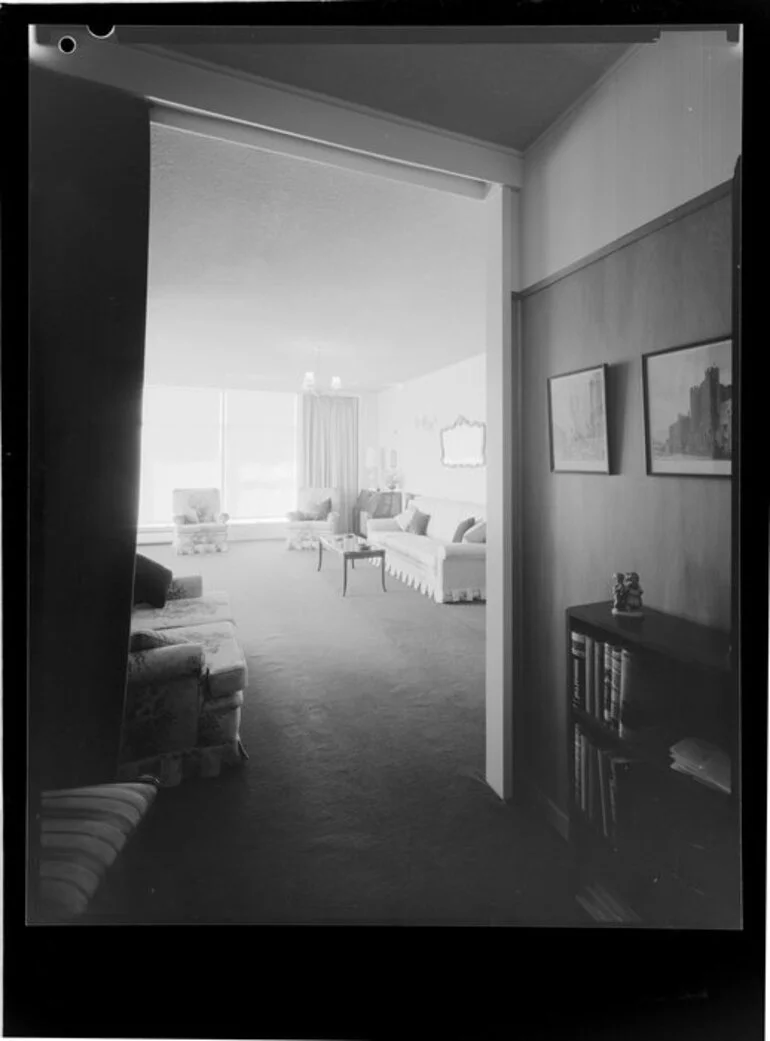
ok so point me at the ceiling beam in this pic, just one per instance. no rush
(178, 84)
(216, 128)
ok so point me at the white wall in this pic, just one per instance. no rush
(368, 438)
(410, 420)
(662, 128)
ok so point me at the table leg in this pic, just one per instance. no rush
(382, 573)
(320, 554)
(344, 575)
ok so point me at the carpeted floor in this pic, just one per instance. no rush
(363, 801)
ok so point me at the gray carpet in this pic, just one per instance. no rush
(364, 799)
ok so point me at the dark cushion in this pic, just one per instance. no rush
(462, 527)
(387, 504)
(322, 510)
(418, 525)
(151, 582)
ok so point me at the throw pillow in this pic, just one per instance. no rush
(151, 582)
(478, 533)
(319, 510)
(419, 523)
(404, 519)
(205, 515)
(149, 639)
(462, 527)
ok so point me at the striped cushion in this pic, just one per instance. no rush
(82, 831)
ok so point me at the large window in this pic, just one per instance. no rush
(240, 441)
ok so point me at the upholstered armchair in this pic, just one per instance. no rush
(199, 524)
(313, 517)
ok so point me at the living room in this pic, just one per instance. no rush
(425, 706)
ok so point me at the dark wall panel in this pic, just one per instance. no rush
(88, 232)
(671, 287)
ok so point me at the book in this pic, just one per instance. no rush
(604, 793)
(577, 767)
(578, 651)
(589, 677)
(616, 656)
(607, 695)
(583, 773)
(703, 761)
(598, 678)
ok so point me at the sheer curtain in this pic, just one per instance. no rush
(330, 449)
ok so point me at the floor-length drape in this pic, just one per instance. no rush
(330, 449)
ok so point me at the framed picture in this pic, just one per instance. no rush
(577, 417)
(688, 406)
(464, 443)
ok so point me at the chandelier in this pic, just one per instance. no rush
(310, 384)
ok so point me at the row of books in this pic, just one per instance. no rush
(605, 683)
(597, 777)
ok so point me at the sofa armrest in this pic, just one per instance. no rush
(162, 664)
(462, 551)
(185, 587)
(223, 518)
(380, 524)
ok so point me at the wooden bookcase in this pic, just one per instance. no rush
(675, 861)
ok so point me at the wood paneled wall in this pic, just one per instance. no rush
(670, 287)
(89, 214)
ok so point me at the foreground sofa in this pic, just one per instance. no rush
(183, 701)
(79, 834)
(448, 571)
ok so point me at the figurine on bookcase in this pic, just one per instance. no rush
(626, 595)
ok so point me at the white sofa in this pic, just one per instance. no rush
(446, 570)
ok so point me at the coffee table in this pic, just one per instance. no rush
(350, 548)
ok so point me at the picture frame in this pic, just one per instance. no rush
(464, 443)
(688, 406)
(577, 421)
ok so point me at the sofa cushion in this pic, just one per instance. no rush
(404, 519)
(211, 607)
(151, 581)
(418, 523)
(82, 830)
(478, 533)
(462, 527)
(225, 661)
(149, 639)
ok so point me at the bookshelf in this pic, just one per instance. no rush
(652, 846)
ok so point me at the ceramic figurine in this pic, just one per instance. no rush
(633, 595)
(618, 593)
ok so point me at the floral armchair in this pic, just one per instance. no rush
(199, 524)
(318, 514)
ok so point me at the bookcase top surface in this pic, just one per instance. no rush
(679, 638)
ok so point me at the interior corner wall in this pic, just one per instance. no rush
(368, 438)
(671, 287)
(663, 128)
(411, 417)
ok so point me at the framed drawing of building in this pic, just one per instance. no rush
(577, 420)
(688, 404)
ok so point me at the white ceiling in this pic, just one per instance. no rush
(496, 91)
(258, 259)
